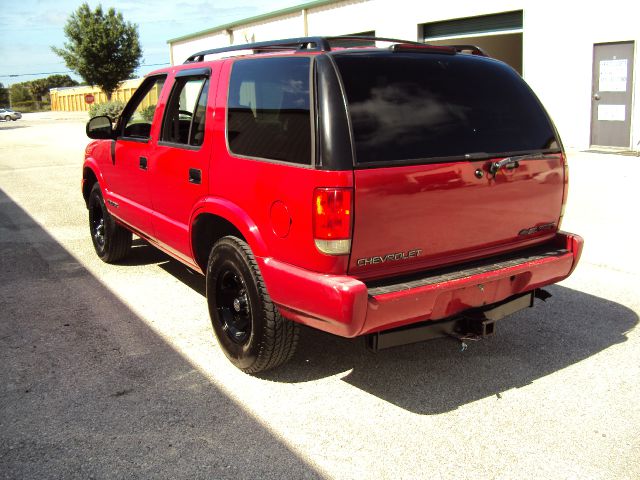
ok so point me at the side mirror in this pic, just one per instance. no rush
(100, 128)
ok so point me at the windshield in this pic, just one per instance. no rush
(417, 106)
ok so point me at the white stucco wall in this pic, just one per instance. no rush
(558, 39)
(558, 59)
(344, 18)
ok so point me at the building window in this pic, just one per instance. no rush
(498, 22)
(355, 43)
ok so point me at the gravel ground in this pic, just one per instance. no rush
(113, 372)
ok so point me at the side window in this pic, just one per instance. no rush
(268, 109)
(139, 115)
(186, 112)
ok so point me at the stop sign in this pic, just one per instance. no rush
(89, 98)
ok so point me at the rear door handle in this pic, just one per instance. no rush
(143, 163)
(195, 176)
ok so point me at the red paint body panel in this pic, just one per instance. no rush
(341, 305)
(253, 185)
(129, 186)
(444, 210)
(172, 194)
(449, 214)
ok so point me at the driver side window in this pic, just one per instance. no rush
(140, 115)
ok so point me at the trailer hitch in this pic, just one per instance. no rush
(468, 327)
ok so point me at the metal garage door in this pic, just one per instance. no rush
(498, 22)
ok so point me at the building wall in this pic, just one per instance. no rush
(71, 99)
(558, 60)
(557, 43)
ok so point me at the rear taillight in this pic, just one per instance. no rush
(565, 189)
(332, 215)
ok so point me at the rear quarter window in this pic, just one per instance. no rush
(268, 112)
(429, 106)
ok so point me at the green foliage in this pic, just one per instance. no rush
(20, 92)
(4, 96)
(59, 81)
(32, 93)
(30, 106)
(147, 113)
(102, 48)
(110, 109)
(37, 88)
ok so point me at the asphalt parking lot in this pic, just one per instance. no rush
(113, 372)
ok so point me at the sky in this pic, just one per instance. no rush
(28, 28)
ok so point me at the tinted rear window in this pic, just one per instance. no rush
(268, 109)
(425, 106)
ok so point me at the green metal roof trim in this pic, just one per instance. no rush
(258, 18)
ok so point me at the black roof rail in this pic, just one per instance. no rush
(472, 49)
(311, 44)
(356, 38)
(320, 44)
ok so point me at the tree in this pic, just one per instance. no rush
(102, 48)
(20, 92)
(4, 96)
(58, 81)
(39, 88)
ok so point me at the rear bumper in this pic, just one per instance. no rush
(345, 306)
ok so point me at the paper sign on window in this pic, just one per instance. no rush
(611, 113)
(613, 76)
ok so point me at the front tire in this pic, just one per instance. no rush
(111, 241)
(249, 328)
(7, 118)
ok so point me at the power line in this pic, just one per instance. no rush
(14, 75)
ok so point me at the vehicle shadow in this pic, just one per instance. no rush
(88, 390)
(435, 377)
(9, 126)
(144, 254)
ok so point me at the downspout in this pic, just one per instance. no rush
(305, 24)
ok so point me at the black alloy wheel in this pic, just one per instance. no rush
(249, 328)
(96, 220)
(233, 305)
(111, 241)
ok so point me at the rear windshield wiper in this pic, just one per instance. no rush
(514, 161)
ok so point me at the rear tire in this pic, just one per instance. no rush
(252, 333)
(111, 241)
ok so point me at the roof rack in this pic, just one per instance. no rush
(471, 49)
(302, 43)
(310, 44)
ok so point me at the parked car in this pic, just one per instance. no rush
(7, 114)
(398, 194)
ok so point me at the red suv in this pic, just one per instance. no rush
(398, 193)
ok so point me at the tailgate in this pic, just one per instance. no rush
(414, 217)
(426, 130)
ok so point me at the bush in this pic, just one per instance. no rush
(30, 106)
(110, 109)
(147, 113)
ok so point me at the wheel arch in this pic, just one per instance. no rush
(215, 218)
(89, 177)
